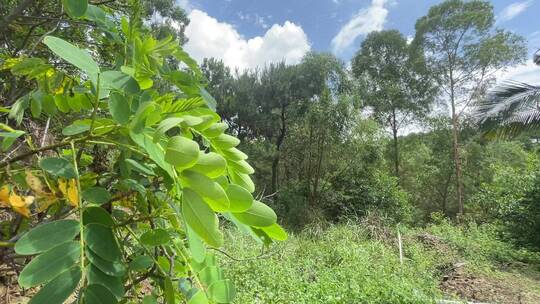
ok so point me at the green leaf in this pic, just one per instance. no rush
(49, 264)
(96, 195)
(75, 128)
(233, 154)
(97, 215)
(140, 120)
(240, 199)
(46, 236)
(196, 247)
(113, 269)
(59, 289)
(95, 13)
(210, 274)
(58, 167)
(61, 102)
(225, 141)
(149, 299)
(201, 218)
(9, 138)
(141, 263)
(169, 291)
(222, 291)
(113, 284)
(210, 164)
(140, 167)
(243, 180)
(75, 8)
(155, 151)
(155, 237)
(241, 166)
(168, 123)
(72, 54)
(101, 240)
(116, 80)
(210, 101)
(199, 297)
(35, 107)
(259, 215)
(119, 108)
(98, 294)
(49, 107)
(211, 191)
(181, 152)
(276, 232)
(215, 130)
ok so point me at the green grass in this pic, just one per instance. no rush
(338, 265)
(356, 263)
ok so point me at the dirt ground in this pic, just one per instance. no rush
(508, 287)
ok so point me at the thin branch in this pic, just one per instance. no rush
(6, 21)
(262, 255)
(34, 151)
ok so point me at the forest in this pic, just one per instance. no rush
(131, 173)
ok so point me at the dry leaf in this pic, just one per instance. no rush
(34, 182)
(44, 201)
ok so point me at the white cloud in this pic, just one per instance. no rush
(528, 73)
(365, 21)
(210, 38)
(513, 10)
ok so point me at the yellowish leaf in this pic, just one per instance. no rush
(16, 200)
(4, 196)
(33, 182)
(73, 193)
(24, 211)
(62, 185)
(44, 201)
(20, 204)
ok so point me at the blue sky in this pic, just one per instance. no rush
(247, 33)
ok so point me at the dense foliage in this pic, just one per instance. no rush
(129, 179)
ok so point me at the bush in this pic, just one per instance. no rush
(511, 201)
(357, 194)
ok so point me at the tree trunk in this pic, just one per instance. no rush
(455, 146)
(275, 161)
(396, 144)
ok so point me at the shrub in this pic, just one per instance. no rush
(130, 192)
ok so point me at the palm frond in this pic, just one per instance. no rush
(509, 109)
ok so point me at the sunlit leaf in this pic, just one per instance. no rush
(181, 152)
(222, 291)
(201, 218)
(259, 215)
(72, 54)
(276, 232)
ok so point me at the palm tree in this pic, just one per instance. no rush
(511, 108)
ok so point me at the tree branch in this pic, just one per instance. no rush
(6, 21)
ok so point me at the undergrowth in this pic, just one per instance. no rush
(359, 263)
